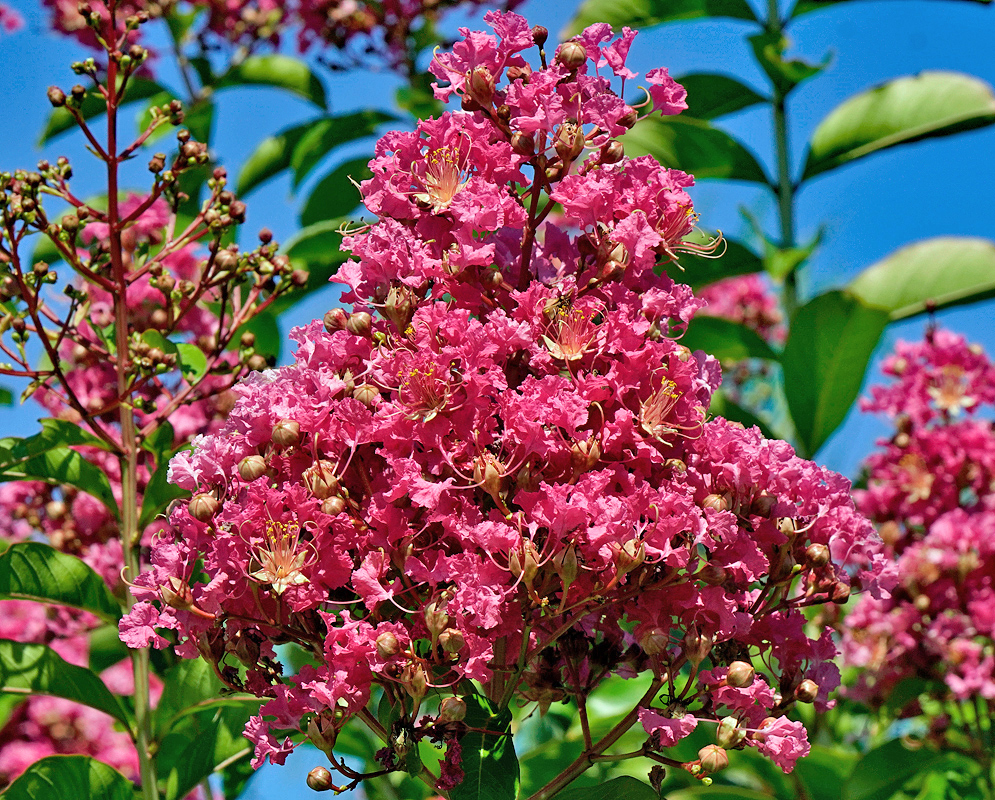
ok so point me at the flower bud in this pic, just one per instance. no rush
(387, 645)
(203, 507)
(565, 564)
(481, 85)
(713, 758)
(571, 55)
(539, 35)
(335, 320)
(56, 96)
(436, 618)
(523, 144)
(729, 734)
(333, 506)
(740, 674)
(286, 433)
(716, 502)
(840, 593)
(400, 306)
(630, 118)
(367, 394)
(451, 640)
(320, 779)
(712, 574)
(763, 505)
(654, 641)
(676, 466)
(696, 646)
(569, 141)
(817, 555)
(612, 152)
(415, 681)
(320, 479)
(359, 323)
(452, 709)
(807, 691)
(630, 555)
(524, 563)
(251, 467)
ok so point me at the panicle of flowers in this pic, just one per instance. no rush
(747, 300)
(498, 467)
(10, 20)
(930, 489)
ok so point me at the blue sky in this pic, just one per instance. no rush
(938, 187)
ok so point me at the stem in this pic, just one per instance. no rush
(785, 186)
(129, 442)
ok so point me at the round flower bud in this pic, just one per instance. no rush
(335, 320)
(807, 691)
(333, 506)
(415, 681)
(630, 118)
(539, 35)
(451, 640)
(676, 466)
(286, 433)
(251, 467)
(716, 502)
(763, 505)
(817, 555)
(654, 641)
(840, 593)
(387, 645)
(56, 96)
(367, 394)
(320, 479)
(612, 153)
(452, 709)
(571, 55)
(320, 779)
(713, 758)
(712, 574)
(696, 646)
(565, 564)
(523, 144)
(740, 674)
(436, 618)
(359, 323)
(203, 507)
(481, 85)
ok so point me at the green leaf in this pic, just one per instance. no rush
(335, 195)
(327, 134)
(829, 346)
(76, 777)
(36, 571)
(6, 396)
(935, 273)
(735, 259)
(192, 362)
(785, 73)
(726, 340)
(900, 111)
(154, 338)
(712, 95)
(106, 648)
(269, 339)
(722, 406)
(54, 433)
(823, 772)
(884, 770)
(319, 243)
(694, 146)
(60, 120)
(191, 687)
(490, 766)
(807, 6)
(625, 786)
(717, 793)
(280, 71)
(270, 158)
(201, 744)
(418, 98)
(646, 13)
(38, 669)
(58, 466)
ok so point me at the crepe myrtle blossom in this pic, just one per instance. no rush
(930, 489)
(497, 471)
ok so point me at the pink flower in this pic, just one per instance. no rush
(782, 740)
(138, 627)
(667, 731)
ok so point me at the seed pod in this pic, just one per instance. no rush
(436, 618)
(56, 96)
(630, 555)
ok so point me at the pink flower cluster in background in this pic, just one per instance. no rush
(10, 20)
(747, 300)
(930, 488)
(498, 466)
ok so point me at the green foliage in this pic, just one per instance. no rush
(489, 761)
(336, 195)
(623, 786)
(646, 13)
(279, 71)
(35, 571)
(829, 346)
(698, 271)
(900, 111)
(727, 341)
(934, 273)
(883, 771)
(75, 777)
(711, 95)
(37, 669)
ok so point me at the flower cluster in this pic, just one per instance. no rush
(346, 33)
(747, 300)
(10, 20)
(498, 467)
(930, 487)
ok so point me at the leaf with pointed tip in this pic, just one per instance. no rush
(808, 6)
(60, 465)
(36, 571)
(38, 669)
(490, 766)
(726, 340)
(330, 132)
(646, 13)
(76, 777)
(694, 146)
(6, 397)
(192, 362)
(279, 71)
(898, 112)
(785, 73)
(712, 95)
(829, 346)
(271, 157)
(934, 273)
(883, 771)
(336, 195)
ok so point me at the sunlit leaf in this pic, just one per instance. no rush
(726, 340)
(60, 465)
(36, 571)
(490, 766)
(38, 669)
(829, 346)
(694, 146)
(336, 195)
(76, 777)
(935, 273)
(327, 134)
(271, 157)
(192, 362)
(711, 95)
(280, 71)
(900, 111)
(646, 13)
(785, 73)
